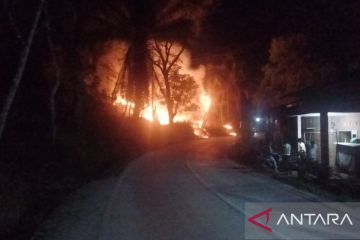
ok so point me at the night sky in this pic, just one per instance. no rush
(249, 26)
(243, 29)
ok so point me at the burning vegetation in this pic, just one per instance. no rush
(175, 91)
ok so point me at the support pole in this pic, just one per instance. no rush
(324, 141)
(298, 118)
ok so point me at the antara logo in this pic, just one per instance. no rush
(267, 214)
(313, 219)
(309, 219)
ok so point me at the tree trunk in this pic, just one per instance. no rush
(138, 72)
(221, 109)
(169, 103)
(228, 118)
(170, 109)
(56, 85)
(153, 110)
(20, 71)
(53, 109)
(77, 66)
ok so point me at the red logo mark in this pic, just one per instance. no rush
(267, 213)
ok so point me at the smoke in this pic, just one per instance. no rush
(197, 73)
(108, 67)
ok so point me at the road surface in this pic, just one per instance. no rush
(188, 191)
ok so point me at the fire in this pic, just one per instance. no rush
(228, 126)
(200, 132)
(229, 129)
(123, 102)
(198, 124)
(157, 112)
(205, 101)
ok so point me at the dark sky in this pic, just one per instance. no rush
(248, 26)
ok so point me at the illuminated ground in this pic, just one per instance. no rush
(190, 191)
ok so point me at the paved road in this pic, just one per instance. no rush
(189, 191)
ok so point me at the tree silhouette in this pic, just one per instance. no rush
(149, 20)
(178, 90)
(184, 91)
(290, 66)
(21, 66)
(165, 58)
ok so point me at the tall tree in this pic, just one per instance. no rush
(21, 67)
(147, 20)
(294, 64)
(166, 59)
(290, 67)
(79, 32)
(221, 83)
(178, 90)
(56, 85)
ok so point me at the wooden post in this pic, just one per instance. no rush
(324, 141)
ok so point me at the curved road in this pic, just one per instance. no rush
(189, 191)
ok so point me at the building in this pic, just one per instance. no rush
(328, 120)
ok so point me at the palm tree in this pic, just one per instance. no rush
(152, 19)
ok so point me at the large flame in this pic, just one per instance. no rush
(123, 102)
(205, 101)
(157, 112)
